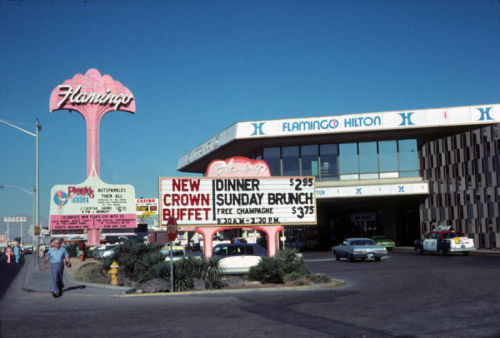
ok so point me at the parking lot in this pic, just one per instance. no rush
(419, 295)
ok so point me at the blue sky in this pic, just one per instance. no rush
(196, 67)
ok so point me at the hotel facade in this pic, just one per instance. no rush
(397, 173)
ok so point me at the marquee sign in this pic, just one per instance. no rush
(92, 204)
(238, 201)
(15, 219)
(146, 207)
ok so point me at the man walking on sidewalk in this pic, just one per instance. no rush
(57, 257)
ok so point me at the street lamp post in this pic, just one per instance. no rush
(38, 127)
(32, 193)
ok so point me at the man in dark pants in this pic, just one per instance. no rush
(57, 257)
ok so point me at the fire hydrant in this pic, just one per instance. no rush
(114, 273)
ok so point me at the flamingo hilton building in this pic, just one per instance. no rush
(395, 173)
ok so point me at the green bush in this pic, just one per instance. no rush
(211, 274)
(291, 263)
(292, 276)
(135, 259)
(71, 249)
(267, 271)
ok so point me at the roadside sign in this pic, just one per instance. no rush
(172, 229)
(236, 201)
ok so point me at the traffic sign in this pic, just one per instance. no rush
(172, 229)
(37, 230)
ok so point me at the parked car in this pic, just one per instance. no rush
(238, 258)
(444, 240)
(177, 250)
(384, 241)
(104, 251)
(359, 248)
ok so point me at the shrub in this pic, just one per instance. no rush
(267, 271)
(291, 263)
(292, 276)
(211, 274)
(184, 272)
(71, 249)
(135, 259)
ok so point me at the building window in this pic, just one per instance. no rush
(273, 159)
(408, 158)
(329, 155)
(291, 166)
(348, 153)
(368, 160)
(309, 160)
(388, 157)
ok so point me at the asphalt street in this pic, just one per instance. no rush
(404, 295)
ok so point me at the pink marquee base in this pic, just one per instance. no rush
(271, 232)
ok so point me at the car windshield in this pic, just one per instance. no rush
(363, 242)
(453, 235)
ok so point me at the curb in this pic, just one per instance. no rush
(125, 289)
(324, 286)
(32, 265)
(478, 252)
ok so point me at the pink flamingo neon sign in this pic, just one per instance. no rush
(92, 95)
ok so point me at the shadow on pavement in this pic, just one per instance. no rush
(8, 273)
(76, 287)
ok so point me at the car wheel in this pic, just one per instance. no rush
(419, 251)
(465, 253)
(337, 257)
(350, 258)
(442, 252)
(377, 259)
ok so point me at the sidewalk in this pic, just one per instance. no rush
(37, 280)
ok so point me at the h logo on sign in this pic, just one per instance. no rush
(406, 119)
(257, 128)
(485, 114)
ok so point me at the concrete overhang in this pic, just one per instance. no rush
(243, 139)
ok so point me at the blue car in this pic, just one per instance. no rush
(359, 248)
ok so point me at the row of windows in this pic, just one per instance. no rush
(345, 161)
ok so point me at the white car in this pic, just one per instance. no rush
(238, 258)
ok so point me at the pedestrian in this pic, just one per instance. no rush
(41, 250)
(81, 249)
(17, 252)
(57, 256)
(8, 253)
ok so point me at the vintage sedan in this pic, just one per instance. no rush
(384, 241)
(238, 258)
(444, 240)
(359, 248)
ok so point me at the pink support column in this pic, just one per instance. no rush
(208, 234)
(271, 232)
(272, 236)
